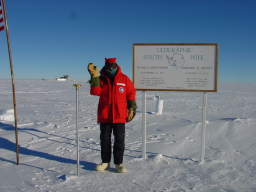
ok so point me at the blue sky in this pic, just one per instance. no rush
(55, 37)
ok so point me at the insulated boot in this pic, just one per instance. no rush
(121, 169)
(102, 166)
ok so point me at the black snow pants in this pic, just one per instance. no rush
(119, 142)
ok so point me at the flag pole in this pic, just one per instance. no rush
(12, 77)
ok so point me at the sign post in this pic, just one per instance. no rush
(188, 67)
(144, 125)
(203, 132)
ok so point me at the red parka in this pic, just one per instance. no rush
(114, 95)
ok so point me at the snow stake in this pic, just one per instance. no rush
(77, 86)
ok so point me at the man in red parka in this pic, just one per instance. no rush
(117, 105)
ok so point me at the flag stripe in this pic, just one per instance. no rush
(1, 19)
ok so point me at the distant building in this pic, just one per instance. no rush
(63, 78)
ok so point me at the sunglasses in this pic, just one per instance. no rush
(111, 65)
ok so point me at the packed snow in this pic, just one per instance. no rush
(46, 122)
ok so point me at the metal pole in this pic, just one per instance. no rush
(144, 126)
(204, 111)
(13, 78)
(77, 86)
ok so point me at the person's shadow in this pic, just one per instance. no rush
(9, 145)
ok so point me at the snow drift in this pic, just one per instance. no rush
(7, 115)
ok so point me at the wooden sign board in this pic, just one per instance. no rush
(175, 67)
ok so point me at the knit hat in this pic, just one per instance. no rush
(111, 60)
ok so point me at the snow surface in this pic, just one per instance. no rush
(46, 124)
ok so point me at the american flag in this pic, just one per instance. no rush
(1, 18)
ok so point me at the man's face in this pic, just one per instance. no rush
(110, 66)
